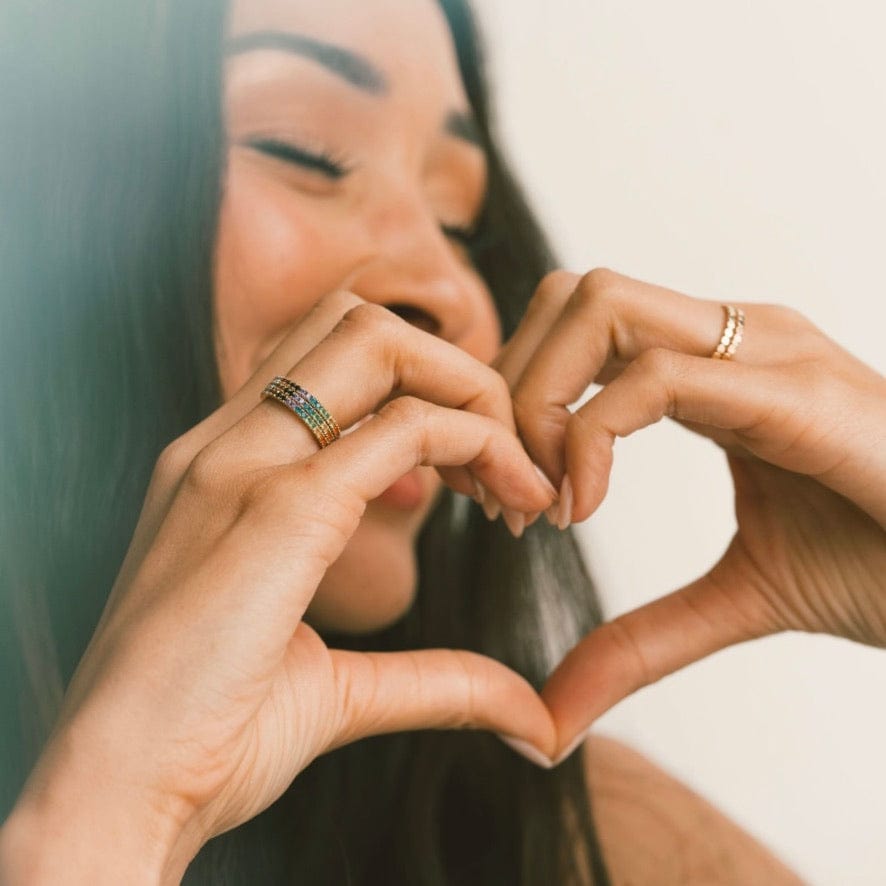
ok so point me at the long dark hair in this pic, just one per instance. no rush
(111, 163)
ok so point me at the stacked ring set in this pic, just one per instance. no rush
(306, 406)
(732, 333)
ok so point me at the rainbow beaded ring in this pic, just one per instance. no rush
(306, 406)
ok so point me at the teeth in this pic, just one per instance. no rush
(357, 424)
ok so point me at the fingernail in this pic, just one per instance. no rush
(490, 506)
(480, 492)
(357, 424)
(514, 520)
(579, 739)
(552, 512)
(564, 515)
(524, 749)
(544, 479)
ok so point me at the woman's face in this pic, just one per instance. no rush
(351, 159)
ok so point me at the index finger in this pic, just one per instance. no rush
(303, 335)
(606, 322)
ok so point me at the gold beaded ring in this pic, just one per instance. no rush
(732, 333)
(306, 406)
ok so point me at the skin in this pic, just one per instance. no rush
(205, 690)
(289, 235)
(798, 418)
(206, 662)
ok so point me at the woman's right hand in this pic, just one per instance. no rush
(203, 693)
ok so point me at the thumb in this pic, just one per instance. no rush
(381, 692)
(640, 647)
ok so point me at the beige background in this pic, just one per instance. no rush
(731, 151)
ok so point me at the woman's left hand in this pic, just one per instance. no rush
(803, 424)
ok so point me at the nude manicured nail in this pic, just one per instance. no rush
(514, 520)
(570, 747)
(564, 515)
(359, 423)
(531, 518)
(490, 506)
(480, 492)
(552, 513)
(544, 479)
(524, 749)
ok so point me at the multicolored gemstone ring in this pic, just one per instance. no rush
(306, 406)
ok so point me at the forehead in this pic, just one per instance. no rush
(407, 40)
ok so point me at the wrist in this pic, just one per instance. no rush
(76, 827)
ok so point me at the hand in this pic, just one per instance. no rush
(203, 692)
(803, 424)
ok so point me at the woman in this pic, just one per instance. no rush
(368, 244)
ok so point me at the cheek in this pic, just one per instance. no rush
(275, 257)
(485, 340)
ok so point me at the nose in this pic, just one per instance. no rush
(414, 270)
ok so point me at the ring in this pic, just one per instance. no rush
(306, 406)
(732, 333)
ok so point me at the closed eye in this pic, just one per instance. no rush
(319, 161)
(474, 239)
(465, 236)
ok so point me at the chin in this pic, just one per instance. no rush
(373, 582)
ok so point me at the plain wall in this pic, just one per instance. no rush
(732, 151)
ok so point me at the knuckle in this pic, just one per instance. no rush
(474, 686)
(793, 318)
(631, 652)
(656, 362)
(807, 339)
(172, 462)
(207, 474)
(599, 278)
(406, 410)
(409, 415)
(340, 301)
(553, 290)
(353, 698)
(594, 286)
(536, 419)
(373, 328)
(369, 317)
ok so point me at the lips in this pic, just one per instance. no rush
(407, 493)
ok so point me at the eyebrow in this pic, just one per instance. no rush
(352, 67)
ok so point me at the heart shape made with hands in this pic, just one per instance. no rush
(650, 347)
(754, 590)
(794, 413)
